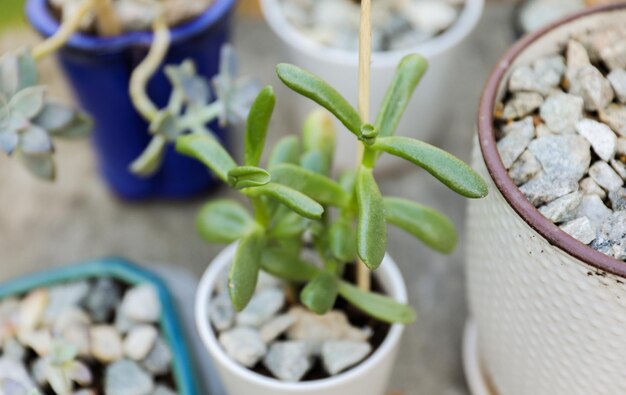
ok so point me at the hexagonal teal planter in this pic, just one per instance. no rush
(124, 271)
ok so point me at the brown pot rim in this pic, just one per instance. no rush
(499, 174)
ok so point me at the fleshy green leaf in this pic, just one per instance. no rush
(80, 127)
(287, 150)
(207, 150)
(40, 165)
(54, 116)
(376, 305)
(425, 223)
(27, 70)
(318, 137)
(407, 76)
(29, 101)
(245, 269)
(289, 225)
(166, 125)
(248, 176)
(35, 140)
(320, 188)
(295, 200)
(8, 141)
(320, 294)
(316, 162)
(223, 221)
(347, 180)
(150, 159)
(447, 168)
(318, 90)
(287, 266)
(257, 125)
(342, 240)
(371, 226)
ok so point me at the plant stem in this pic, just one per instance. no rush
(146, 69)
(63, 34)
(261, 214)
(365, 57)
(107, 22)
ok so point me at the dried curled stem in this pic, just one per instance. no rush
(146, 69)
(107, 21)
(66, 30)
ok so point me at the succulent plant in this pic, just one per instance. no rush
(29, 120)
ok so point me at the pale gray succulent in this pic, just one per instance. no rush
(29, 120)
(62, 369)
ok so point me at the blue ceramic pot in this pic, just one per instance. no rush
(99, 70)
(182, 366)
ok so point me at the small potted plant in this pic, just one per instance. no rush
(105, 326)
(545, 264)
(322, 37)
(293, 298)
(104, 41)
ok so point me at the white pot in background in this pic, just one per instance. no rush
(369, 377)
(340, 69)
(550, 312)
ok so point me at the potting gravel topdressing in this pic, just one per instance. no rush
(562, 137)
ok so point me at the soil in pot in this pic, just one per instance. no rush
(562, 136)
(277, 337)
(100, 336)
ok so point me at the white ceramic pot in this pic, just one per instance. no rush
(340, 68)
(550, 311)
(369, 377)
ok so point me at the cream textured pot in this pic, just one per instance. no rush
(340, 69)
(550, 312)
(369, 377)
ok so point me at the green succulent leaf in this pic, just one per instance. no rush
(29, 101)
(35, 140)
(371, 226)
(289, 225)
(223, 221)
(165, 124)
(54, 116)
(320, 294)
(80, 127)
(318, 187)
(40, 165)
(27, 70)
(287, 266)
(407, 76)
(318, 138)
(347, 180)
(295, 200)
(287, 150)
(425, 223)
(316, 162)
(447, 168)
(149, 162)
(248, 176)
(376, 305)
(244, 271)
(342, 240)
(209, 151)
(318, 90)
(257, 125)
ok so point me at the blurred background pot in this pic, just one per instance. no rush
(99, 70)
(368, 377)
(548, 310)
(340, 68)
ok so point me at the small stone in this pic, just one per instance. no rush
(288, 361)
(333, 325)
(122, 323)
(262, 307)
(142, 304)
(163, 390)
(244, 345)
(276, 327)
(610, 45)
(562, 209)
(104, 297)
(64, 296)
(516, 138)
(542, 77)
(15, 371)
(621, 146)
(580, 229)
(521, 104)
(266, 280)
(80, 373)
(605, 176)
(127, 378)
(542, 130)
(70, 317)
(591, 85)
(615, 116)
(545, 188)
(140, 341)
(159, 360)
(221, 312)
(600, 136)
(337, 356)
(106, 343)
(39, 341)
(594, 209)
(13, 349)
(9, 318)
(611, 238)
(577, 58)
(78, 336)
(431, 16)
(618, 81)
(562, 156)
(589, 187)
(561, 112)
(32, 309)
(618, 199)
(619, 167)
(524, 168)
